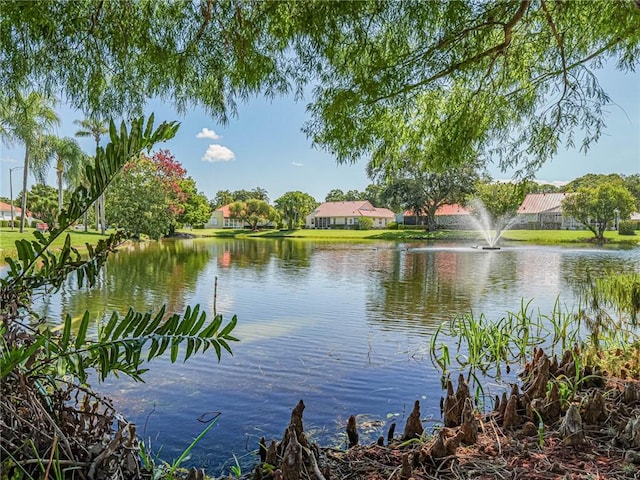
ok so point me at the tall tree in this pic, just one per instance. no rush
(632, 183)
(222, 198)
(138, 202)
(42, 203)
(94, 127)
(596, 207)
(253, 211)
(69, 160)
(26, 119)
(373, 194)
(148, 196)
(294, 207)
(591, 180)
(413, 185)
(335, 195)
(196, 207)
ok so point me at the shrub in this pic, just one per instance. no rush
(365, 223)
(627, 227)
(392, 225)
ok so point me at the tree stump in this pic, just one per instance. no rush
(469, 427)
(451, 408)
(594, 409)
(262, 450)
(462, 393)
(391, 432)
(272, 454)
(571, 427)
(632, 432)
(413, 428)
(292, 464)
(552, 409)
(502, 407)
(352, 431)
(631, 392)
(536, 386)
(511, 418)
(405, 471)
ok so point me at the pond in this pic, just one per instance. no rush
(343, 326)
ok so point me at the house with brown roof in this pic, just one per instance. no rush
(347, 215)
(453, 216)
(543, 211)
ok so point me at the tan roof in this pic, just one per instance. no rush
(542, 202)
(360, 208)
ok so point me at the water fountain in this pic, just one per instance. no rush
(481, 220)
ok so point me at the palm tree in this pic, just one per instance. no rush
(25, 119)
(96, 128)
(69, 158)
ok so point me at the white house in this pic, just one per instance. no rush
(347, 215)
(544, 211)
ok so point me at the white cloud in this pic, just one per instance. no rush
(218, 153)
(206, 133)
(296, 164)
(7, 160)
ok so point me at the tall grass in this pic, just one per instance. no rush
(483, 348)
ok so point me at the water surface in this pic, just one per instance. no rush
(344, 326)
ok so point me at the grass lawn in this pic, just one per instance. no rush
(8, 238)
(529, 236)
(567, 236)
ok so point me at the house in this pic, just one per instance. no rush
(221, 218)
(543, 211)
(452, 216)
(347, 215)
(5, 212)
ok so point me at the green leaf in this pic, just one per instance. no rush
(82, 331)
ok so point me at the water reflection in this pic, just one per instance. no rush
(344, 326)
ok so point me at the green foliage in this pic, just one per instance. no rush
(501, 200)
(335, 195)
(632, 183)
(43, 203)
(138, 202)
(365, 223)
(46, 368)
(294, 207)
(413, 184)
(197, 210)
(597, 207)
(69, 161)
(254, 212)
(26, 118)
(627, 227)
(592, 180)
(438, 80)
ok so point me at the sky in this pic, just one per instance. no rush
(265, 147)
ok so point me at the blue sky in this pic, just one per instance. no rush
(264, 147)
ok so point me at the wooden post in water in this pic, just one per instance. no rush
(215, 295)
